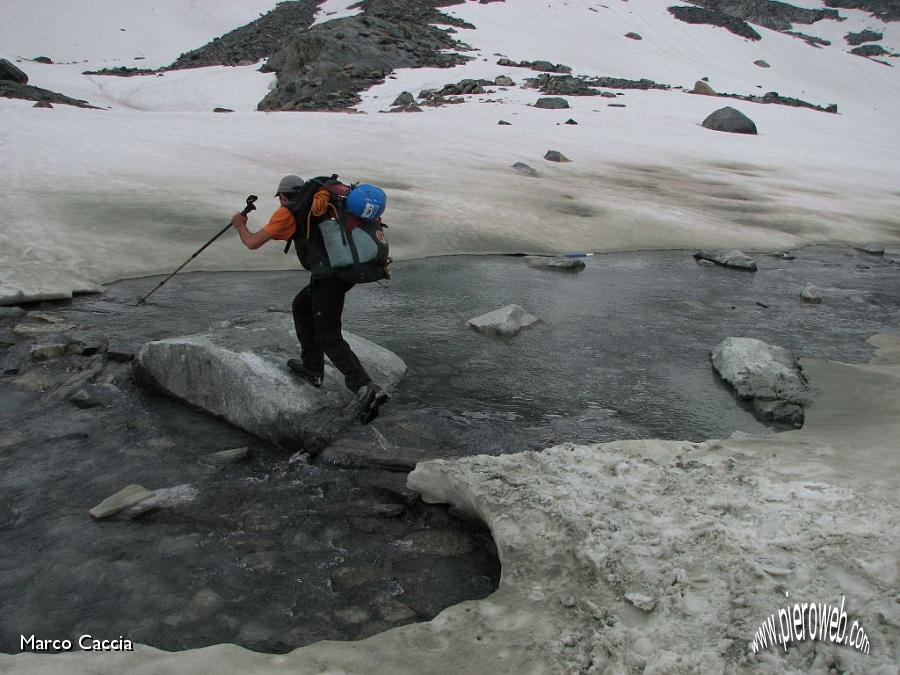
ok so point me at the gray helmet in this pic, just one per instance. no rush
(289, 184)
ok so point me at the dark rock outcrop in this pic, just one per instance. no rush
(569, 85)
(10, 72)
(767, 13)
(542, 66)
(555, 156)
(551, 103)
(886, 10)
(699, 15)
(854, 39)
(870, 50)
(29, 93)
(776, 98)
(326, 67)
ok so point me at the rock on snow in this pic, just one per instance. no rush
(240, 373)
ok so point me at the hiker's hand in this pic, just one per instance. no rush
(238, 220)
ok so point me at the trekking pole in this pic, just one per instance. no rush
(247, 209)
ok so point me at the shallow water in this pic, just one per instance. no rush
(279, 551)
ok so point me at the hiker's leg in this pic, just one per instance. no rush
(305, 326)
(328, 305)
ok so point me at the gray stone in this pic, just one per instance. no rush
(123, 499)
(506, 321)
(873, 248)
(730, 120)
(223, 110)
(560, 263)
(87, 344)
(811, 294)
(163, 498)
(552, 103)
(524, 169)
(353, 454)
(504, 123)
(556, 156)
(11, 312)
(766, 374)
(12, 73)
(703, 88)
(761, 63)
(96, 396)
(223, 457)
(504, 81)
(43, 59)
(633, 36)
(240, 374)
(48, 350)
(734, 258)
(404, 99)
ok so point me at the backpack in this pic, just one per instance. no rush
(349, 240)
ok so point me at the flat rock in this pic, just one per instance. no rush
(873, 248)
(352, 454)
(524, 169)
(123, 499)
(552, 103)
(163, 498)
(506, 321)
(41, 329)
(557, 263)
(734, 258)
(766, 374)
(224, 457)
(240, 374)
(87, 344)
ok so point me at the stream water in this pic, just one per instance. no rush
(280, 551)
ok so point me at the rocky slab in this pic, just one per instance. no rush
(29, 282)
(239, 373)
(506, 321)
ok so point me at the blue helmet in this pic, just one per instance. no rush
(366, 201)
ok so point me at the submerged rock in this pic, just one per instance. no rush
(223, 457)
(765, 374)
(811, 294)
(506, 321)
(733, 258)
(123, 499)
(240, 374)
(873, 248)
(559, 263)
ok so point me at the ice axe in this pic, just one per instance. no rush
(247, 209)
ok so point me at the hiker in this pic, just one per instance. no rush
(318, 307)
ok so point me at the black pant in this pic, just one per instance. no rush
(317, 319)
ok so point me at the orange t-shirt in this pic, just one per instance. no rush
(282, 223)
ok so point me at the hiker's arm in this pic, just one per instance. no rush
(251, 240)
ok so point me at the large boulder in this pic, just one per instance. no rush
(731, 120)
(702, 87)
(239, 373)
(552, 103)
(766, 375)
(11, 72)
(506, 321)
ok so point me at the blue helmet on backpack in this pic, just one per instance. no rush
(366, 201)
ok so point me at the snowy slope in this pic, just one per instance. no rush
(134, 189)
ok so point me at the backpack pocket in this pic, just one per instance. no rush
(337, 246)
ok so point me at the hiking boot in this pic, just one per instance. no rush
(371, 398)
(308, 374)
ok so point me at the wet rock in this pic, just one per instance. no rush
(12, 73)
(703, 88)
(504, 81)
(761, 63)
(767, 375)
(551, 103)
(437, 542)
(225, 457)
(560, 263)
(351, 454)
(87, 344)
(811, 294)
(506, 321)
(524, 169)
(734, 258)
(352, 615)
(240, 374)
(11, 312)
(95, 396)
(404, 99)
(633, 36)
(348, 576)
(394, 611)
(206, 601)
(34, 380)
(120, 356)
(556, 156)
(163, 498)
(873, 248)
(123, 499)
(730, 120)
(48, 350)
